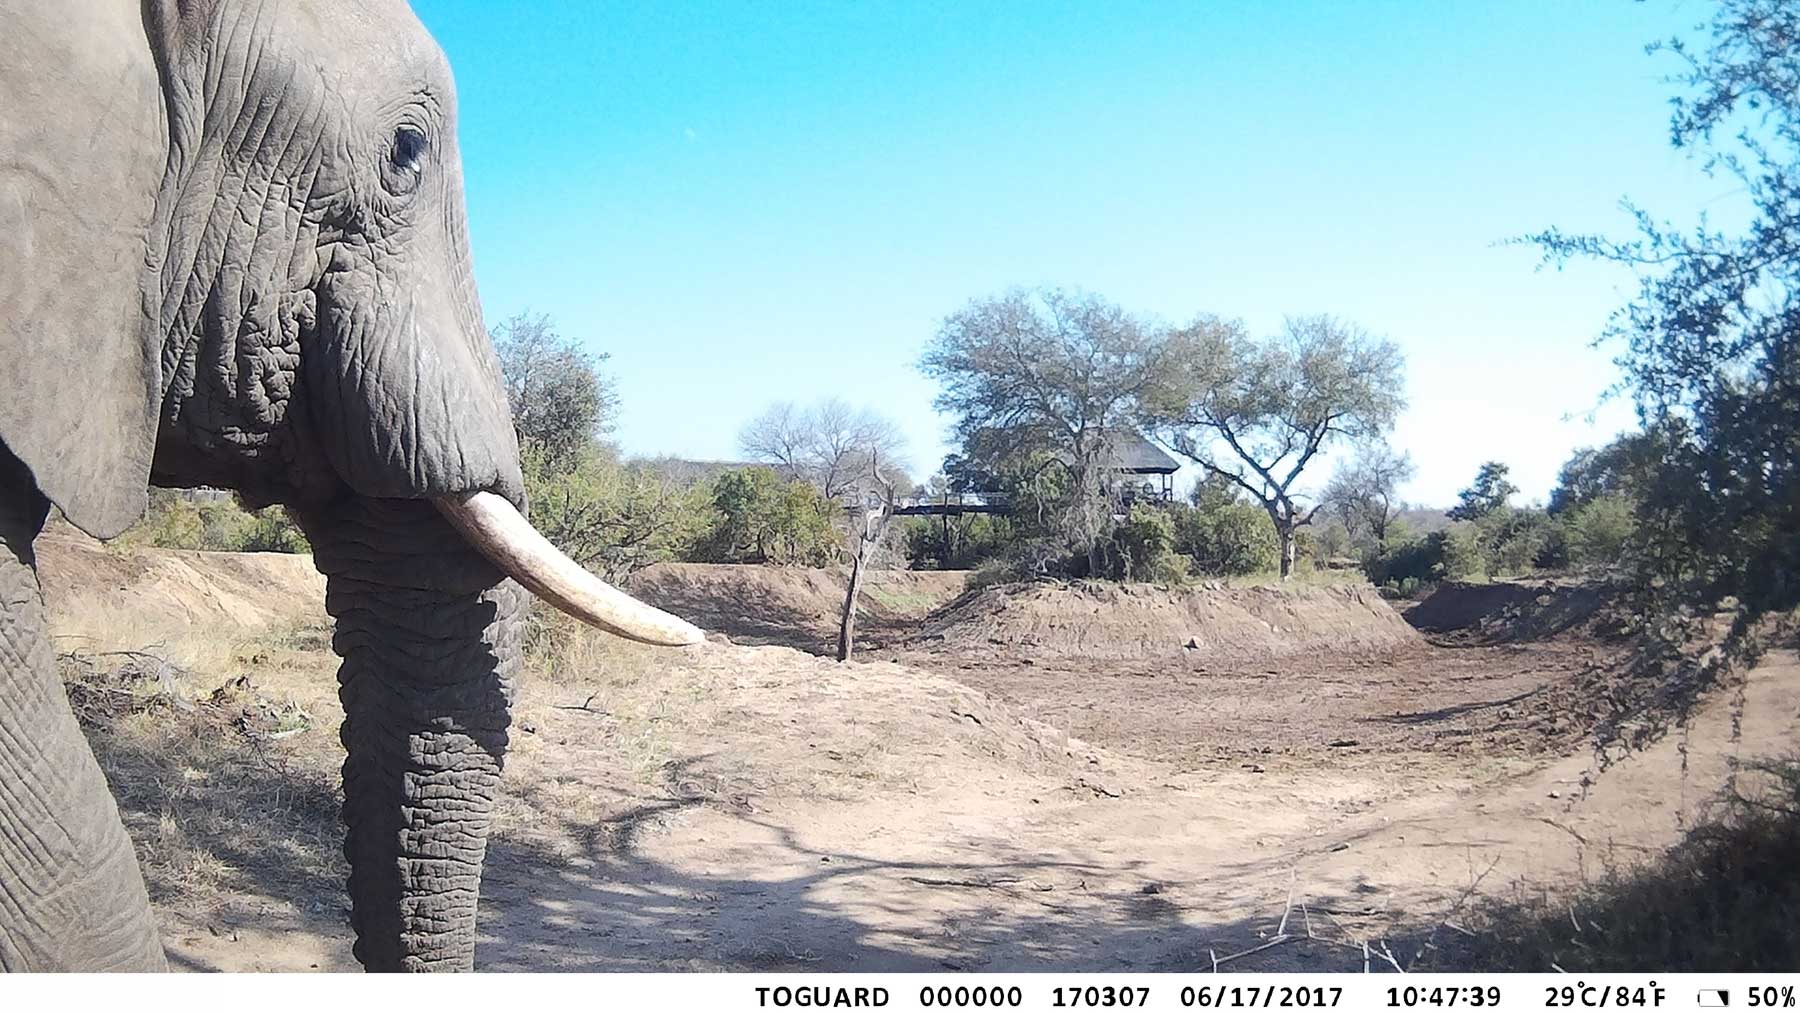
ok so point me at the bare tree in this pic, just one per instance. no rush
(779, 437)
(1364, 494)
(830, 444)
(1257, 413)
(1048, 372)
(867, 526)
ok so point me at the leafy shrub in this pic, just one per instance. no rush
(171, 522)
(271, 530)
(1226, 539)
(175, 519)
(1517, 541)
(1407, 560)
(992, 573)
(965, 543)
(1142, 548)
(762, 518)
(611, 516)
(1598, 531)
(1410, 588)
(1460, 553)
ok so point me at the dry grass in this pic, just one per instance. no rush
(219, 774)
(1302, 576)
(1724, 899)
(901, 599)
(562, 651)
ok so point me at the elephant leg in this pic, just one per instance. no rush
(71, 894)
(430, 637)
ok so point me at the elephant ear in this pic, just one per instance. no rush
(83, 148)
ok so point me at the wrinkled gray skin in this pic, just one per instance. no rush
(232, 253)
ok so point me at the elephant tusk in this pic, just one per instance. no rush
(498, 531)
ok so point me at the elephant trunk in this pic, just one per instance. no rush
(429, 632)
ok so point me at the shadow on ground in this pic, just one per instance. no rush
(610, 905)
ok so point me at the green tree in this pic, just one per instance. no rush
(1622, 467)
(1488, 494)
(765, 518)
(964, 542)
(1409, 561)
(1460, 554)
(1515, 541)
(1038, 378)
(1257, 413)
(1710, 345)
(562, 402)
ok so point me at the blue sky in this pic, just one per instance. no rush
(744, 203)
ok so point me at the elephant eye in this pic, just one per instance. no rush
(405, 159)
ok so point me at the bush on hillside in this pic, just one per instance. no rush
(613, 517)
(1517, 541)
(762, 518)
(1226, 539)
(175, 519)
(1142, 548)
(1599, 531)
(1460, 553)
(964, 543)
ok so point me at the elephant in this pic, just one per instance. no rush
(233, 254)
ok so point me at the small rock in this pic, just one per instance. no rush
(1193, 643)
(1253, 767)
(1101, 787)
(528, 727)
(1336, 847)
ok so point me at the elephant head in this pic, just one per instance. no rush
(233, 253)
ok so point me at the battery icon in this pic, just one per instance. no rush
(1715, 998)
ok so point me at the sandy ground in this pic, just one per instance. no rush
(758, 807)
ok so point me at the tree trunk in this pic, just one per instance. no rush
(71, 894)
(430, 637)
(1289, 550)
(949, 551)
(847, 625)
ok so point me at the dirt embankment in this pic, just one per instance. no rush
(111, 594)
(1207, 624)
(1517, 611)
(793, 606)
